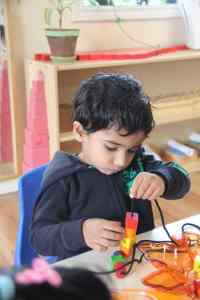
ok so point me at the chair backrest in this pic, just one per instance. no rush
(29, 186)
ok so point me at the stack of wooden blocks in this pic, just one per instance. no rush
(36, 148)
(5, 116)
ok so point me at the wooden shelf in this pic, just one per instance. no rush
(177, 108)
(16, 92)
(170, 57)
(66, 137)
(180, 131)
(7, 170)
(192, 165)
(170, 110)
(65, 118)
(62, 80)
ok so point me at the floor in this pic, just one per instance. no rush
(8, 227)
(173, 210)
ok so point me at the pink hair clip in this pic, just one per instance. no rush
(39, 273)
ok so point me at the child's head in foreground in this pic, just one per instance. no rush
(112, 118)
(45, 283)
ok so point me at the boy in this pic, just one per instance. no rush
(84, 197)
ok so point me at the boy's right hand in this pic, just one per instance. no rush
(100, 234)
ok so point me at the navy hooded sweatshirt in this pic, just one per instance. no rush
(73, 191)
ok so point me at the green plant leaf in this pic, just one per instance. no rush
(67, 3)
(58, 6)
(47, 15)
(67, 7)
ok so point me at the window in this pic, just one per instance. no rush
(127, 2)
(102, 10)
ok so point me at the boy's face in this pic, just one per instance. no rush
(107, 149)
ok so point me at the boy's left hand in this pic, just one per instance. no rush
(147, 186)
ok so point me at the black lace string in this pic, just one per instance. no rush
(189, 224)
(133, 260)
(163, 222)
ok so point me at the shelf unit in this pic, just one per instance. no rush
(176, 56)
(16, 92)
(62, 80)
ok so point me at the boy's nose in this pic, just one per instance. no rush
(120, 161)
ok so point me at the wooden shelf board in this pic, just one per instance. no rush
(169, 109)
(177, 109)
(66, 137)
(7, 170)
(192, 166)
(170, 57)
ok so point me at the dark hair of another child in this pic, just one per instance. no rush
(107, 100)
(78, 284)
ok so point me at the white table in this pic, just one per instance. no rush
(100, 261)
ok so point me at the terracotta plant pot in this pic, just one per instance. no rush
(62, 43)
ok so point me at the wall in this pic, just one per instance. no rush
(158, 78)
(162, 78)
(101, 35)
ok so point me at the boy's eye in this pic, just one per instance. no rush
(111, 148)
(130, 151)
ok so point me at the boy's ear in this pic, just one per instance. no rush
(78, 131)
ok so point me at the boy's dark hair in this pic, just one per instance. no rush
(107, 100)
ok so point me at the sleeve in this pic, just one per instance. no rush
(51, 234)
(176, 178)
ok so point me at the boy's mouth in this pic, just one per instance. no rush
(109, 171)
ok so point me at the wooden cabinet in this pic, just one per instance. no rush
(11, 115)
(62, 80)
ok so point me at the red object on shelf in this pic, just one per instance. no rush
(120, 54)
(42, 57)
(36, 147)
(5, 116)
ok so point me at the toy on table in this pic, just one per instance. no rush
(178, 265)
(131, 294)
(119, 258)
(193, 286)
(131, 224)
(196, 265)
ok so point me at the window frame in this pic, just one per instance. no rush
(103, 13)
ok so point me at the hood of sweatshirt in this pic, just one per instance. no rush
(63, 164)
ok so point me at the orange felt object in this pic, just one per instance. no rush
(130, 294)
(170, 278)
(175, 264)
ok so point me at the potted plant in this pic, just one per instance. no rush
(62, 41)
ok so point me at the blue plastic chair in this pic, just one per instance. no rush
(29, 186)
